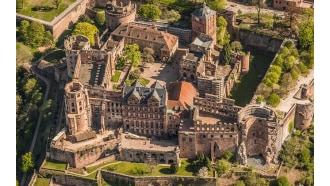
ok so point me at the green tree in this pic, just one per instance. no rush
(48, 39)
(120, 63)
(273, 100)
(303, 69)
(29, 86)
(285, 51)
(87, 30)
(148, 53)
(260, 98)
(274, 77)
(35, 34)
(100, 18)
(227, 155)
(216, 4)
(27, 162)
(287, 82)
(23, 29)
(259, 4)
(56, 3)
(294, 74)
(135, 74)
(173, 16)
(222, 36)
(239, 183)
(236, 45)
(279, 60)
(283, 181)
(306, 33)
(174, 168)
(289, 63)
(276, 69)
(85, 18)
(222, 167)
(132, 54)
(149, 11)
(226, 54)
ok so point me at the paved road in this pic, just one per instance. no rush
(287, 103)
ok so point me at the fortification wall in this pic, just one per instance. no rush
(121, 179)
(259, 41)
(73, 180)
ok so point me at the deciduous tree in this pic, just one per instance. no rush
(132, 54)
(100, 18)
(306, 33)
(273, 100)
(216, 4)
(87, 30)
(27, 162)
(222, 167)
(56, 3)
(149, 11)
(226, 54)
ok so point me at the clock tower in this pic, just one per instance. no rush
(204, 21)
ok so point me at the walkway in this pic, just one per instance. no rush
(36, 132)
(87, 174)
(287, 103)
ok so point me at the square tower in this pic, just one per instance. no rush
(203, 20)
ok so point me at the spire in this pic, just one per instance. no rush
(204, 3)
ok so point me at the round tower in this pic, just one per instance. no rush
(303, 116)
(77, 109)
(116, 14)
(73, 45)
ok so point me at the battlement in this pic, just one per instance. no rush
(77, 42)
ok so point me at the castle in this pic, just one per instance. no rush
(139, 123)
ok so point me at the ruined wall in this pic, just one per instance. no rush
(121, 179)
(143, 156)
(259, 41)
(83, 156)
(73, 180)
(187, 145)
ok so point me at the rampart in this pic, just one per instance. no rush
(60, 23)
(122, 179)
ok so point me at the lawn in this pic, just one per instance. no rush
(115, 77)
(46, 15)
(244, 90)
(143, 81)
(54, 165)
(142, 169)
(54, 57)
(42, 182)
(91, 169)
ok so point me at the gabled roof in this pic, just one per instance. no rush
(144, 93)
(181, 95)
(204, 12)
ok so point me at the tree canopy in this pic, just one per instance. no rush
(149, 11)
(27, 162)
(222, 167)
(216, 4)
(100, 18)
(132, 54)
(226, 54)
(306, 33)
(173, 16)
(273, 100)
(87, 30)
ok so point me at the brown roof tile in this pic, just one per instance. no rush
(181, 94)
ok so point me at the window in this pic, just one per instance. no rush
(190, 140)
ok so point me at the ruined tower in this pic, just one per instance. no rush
(203, 20)
(116, 15)
(303, 116)
(73, 45)
(77, 108)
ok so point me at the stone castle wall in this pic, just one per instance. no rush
(73, 180)
(259, 41)
(121, 179)
(303, 116)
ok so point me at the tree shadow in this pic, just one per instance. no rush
(165, 171)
